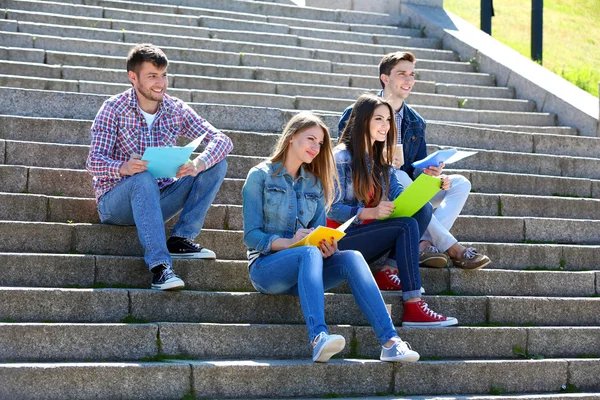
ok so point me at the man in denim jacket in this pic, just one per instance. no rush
(397, 77)
(127, 194)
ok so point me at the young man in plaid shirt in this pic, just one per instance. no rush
(127, 194)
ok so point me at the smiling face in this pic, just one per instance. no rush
(305, 145)
(400, 81)
(379, 125)
(150, 84)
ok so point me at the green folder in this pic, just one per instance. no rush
(414, 197)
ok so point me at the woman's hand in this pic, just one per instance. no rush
(445, 182)
(301, 234)
(434, 171)
(383, 210)
(328, 248)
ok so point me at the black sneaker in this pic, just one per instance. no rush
(165, 279)
(185, 248)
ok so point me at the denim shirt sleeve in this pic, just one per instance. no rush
(252, 209)
(395, 186)
(344, 120)
(340, 210)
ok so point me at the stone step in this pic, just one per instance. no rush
(551, 130)
(185, 76)
(70, 131)
(126, 21)
(256, 378)
(257, 98)
(113, 305)
(44, 342)
(61, 208)
(83, 238)
(291, 21)
(97, 271)
(496, 138)
(77, 183)
(38, 154)
(27, 102)
(256, 8)
(113, 42)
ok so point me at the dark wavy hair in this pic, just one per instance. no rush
(367, 174)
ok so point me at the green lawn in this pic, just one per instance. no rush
(571, 34)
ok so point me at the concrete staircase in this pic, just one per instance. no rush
(76, 319)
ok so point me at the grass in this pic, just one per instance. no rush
(571, 34)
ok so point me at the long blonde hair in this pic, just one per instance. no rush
(356, 137)
(323, 165)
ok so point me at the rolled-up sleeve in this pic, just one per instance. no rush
(252, 209)
(218, 145)
(340, 211)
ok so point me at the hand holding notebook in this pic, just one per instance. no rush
(323, 232)
(414, 197)
(164, 162)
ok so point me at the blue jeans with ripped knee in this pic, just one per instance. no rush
(303, 272)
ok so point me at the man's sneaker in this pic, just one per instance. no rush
(431, 257)
(325, 346)
(417, 314)
(400, 351)
(388, 280)
(165, 279)
(470, 259)
(185, 248)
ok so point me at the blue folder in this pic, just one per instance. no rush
(434, 159)
(164, 162)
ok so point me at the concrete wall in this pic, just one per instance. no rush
(574, 107)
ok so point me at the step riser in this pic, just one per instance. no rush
(224, 379)
(88, 271)
(58, 342)
(77, 183)
(116, 240)
(105, 305)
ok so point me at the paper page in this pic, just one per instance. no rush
(459, 155)
(345, 225)
(196, 142)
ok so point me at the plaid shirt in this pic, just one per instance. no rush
(120, 130)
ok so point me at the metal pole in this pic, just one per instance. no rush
(537, 29)
(486, 14)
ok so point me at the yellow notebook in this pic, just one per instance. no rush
(323, 232)
(414, 197)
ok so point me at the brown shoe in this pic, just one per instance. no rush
(431, 257)
(470, 259)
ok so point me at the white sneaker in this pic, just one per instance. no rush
(325, 346)
(400, 351)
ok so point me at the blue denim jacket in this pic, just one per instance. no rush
(412, 133)
(346, 205)
(272, 201)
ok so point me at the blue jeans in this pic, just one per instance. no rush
(138, 201)
(399, 236)
(303, 272)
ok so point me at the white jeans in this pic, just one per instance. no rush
(447, 204)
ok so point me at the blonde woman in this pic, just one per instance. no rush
(284, 199)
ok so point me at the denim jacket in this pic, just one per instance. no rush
(345, 204)
(412, 133)
(272, 201)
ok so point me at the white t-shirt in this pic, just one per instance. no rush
(149, 119)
